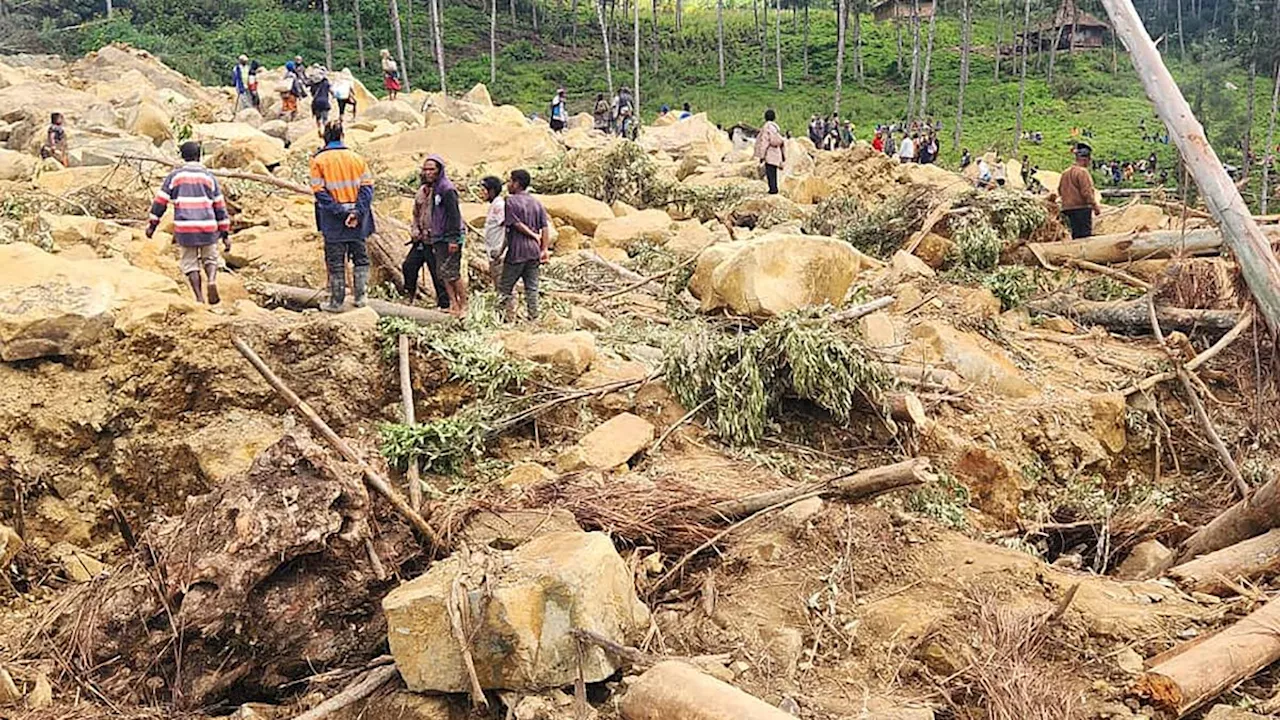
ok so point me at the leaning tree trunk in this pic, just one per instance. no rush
(328, 35)
(1022, 78)
(1253, 252)
(1269, 155)
(841, 14)
(777, 38)
(928, 60)
(966, 38)
(439, 42)
(635, 66)
(915, 58)
(395, 23)
(355, 7)
(604, 35)
(806, 39)
(493, 40)
(719, 36)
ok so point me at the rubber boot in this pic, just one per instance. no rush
(362, 286)
(193, 278)
(337, 293)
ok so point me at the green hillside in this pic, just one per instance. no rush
(203, 37)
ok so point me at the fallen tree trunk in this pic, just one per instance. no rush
(308, 298)
(859, 485)
(357, 691)
(676, 690)
(1217, 572)
(1248, 518)
(1130, 317)
(1189, 679)
(1126, 247)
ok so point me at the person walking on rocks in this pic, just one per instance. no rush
(292, 90)
(390, 75)
(254, 96)
(495, 229)
(343, 189)
(55, 140)
(771, 149)
(240, 78)
(559, 113)
(344, 93)
(321, 103)
(528, 242)
(1076, 191)
(600, 114)
(200, 220)
(437, 239)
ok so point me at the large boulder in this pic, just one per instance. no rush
(72, 229)
(149, 120)
(1131, 218)
(243, 151)
(465, 146)
(523, 607)
(583, 212)
(610, 445)
(111, 62)
(569, 353)
(776, 273)
(478, 95)
(695, 135)
(108, 151)
(16, 166)
(393, 111)
(651, 226)
(973, 357)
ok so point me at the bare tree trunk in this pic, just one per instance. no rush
(408, 24)
(1022, 79)
(966, 38)
(355, 7)
(395, 23)
(841, 15)
(635, 67)
(1053, 53)
(1182, 44)
(1246, 142)
(806, 39)
(719, 36)
(999, 35)
(897, 26)
(110, 9)
(915, 58)
(928, 60)
(777, 38)
(574, 12)
(1253, 252)
(657, 41)
(1115, 54)
(493, 40)
(859, 71)
(604, 35)
(514, 22)
(1269, 154)
(764, 37)
(679, 17)
(533, 12)
(439, 41)
(328, 35)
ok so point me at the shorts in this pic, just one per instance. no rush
(448, 264)
(557, 124)
(288, 103)
(193, 258)
(320, 114)
(342, 106)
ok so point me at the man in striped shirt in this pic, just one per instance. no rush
(199, 220)
(343, 189)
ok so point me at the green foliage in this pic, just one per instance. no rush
(945, 500)
(994, 220)
(1105, 289)
(472, 355)
(744, 377)
(442, 446)
(1013, 284)
(878, 231)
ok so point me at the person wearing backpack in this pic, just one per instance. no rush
(344, 92)
(559, 115)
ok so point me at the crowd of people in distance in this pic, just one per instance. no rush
(918, 144)
(830, 133)
(1148, 169)
(300, 81)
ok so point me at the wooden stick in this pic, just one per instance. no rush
(309, 298)
(594, 258)
(646, 280)
(371, 478)
(1120, 275)
(1130, 316)
(354, 693)
(459, 613)
(1250, 245)
(1197, 406)
(1245, 321)
(686, 418)
(528, 414)
(1192, 678)
(406, 399)
(1247, 518)
(853, 313)
(1216, 572)
(849, 487)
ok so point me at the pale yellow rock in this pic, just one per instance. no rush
(1147, 560)
(41, 695)
(10, 544)
(243, 151)
(612, 254)
(905, 266)
(78, 565)
(526, 475)
(16, 165)
(149, 120)
(694, 135)
(1131, 218)
(465, 146)
(507, 529)
(398, 110)
(934, 249)
(71, 229)
(979, 303)
(228, 445)
(808, 190)
(621, 209)
(609, 445)
(582, 212)
(690, 238)
(1013, 175)
(651, 226)
(569, 353)
(544, 589)
(607, 370)
(974, 358)
(9, 693)
(878, 331)
(478, 95)
(584, 319)
(567, 239)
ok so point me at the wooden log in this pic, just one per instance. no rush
(1192, 678)
(856, 486)
(357, 691)
(308, 298)
(857, 311)
(1126, 247)
(1130, 317)
(371, 477)
(410, 418)
(926, 376)
(1252, 248)
(676, 690)
(1247, 518)
(1216, 572)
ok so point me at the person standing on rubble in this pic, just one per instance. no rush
(344, 93)
(771, 149)
(343, 189)
(528, 245)
(495, 229)
(200, 220)
(321, 103)
(291, 90)
(55, 140)
(240, 78)
(390, 75)
(437, 238)
(1076, 192)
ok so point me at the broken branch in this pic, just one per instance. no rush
(357, 691)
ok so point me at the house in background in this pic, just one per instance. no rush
(1070, 28)
(896, 9)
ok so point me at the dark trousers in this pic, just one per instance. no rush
(337, 252)
(529, 272)
(420, 254)
(1081, 222)
(771, 175)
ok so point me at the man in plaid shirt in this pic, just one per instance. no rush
(199, 220)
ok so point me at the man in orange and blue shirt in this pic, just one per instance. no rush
(199, 220)
(343, 188)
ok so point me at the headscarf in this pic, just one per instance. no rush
(441, 187)
(289, 66)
